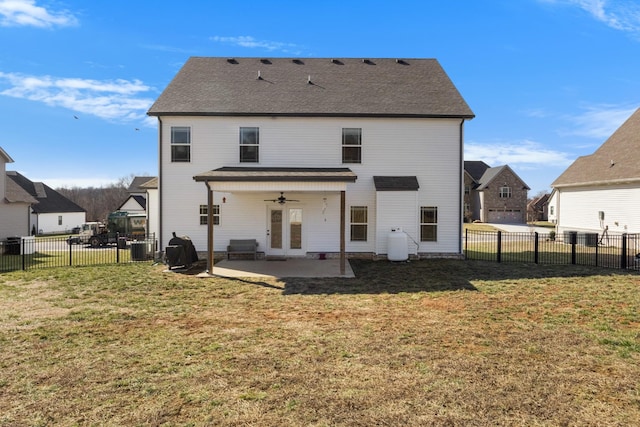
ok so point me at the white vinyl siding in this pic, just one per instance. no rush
(577, 209)
(50, 222)
(396, 209)
(431, 152)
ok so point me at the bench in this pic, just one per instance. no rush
(242, 246)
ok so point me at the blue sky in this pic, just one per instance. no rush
(548, 80)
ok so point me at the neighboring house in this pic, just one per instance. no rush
(151, 195)
(312, 156)
(15, 204)
(602, 190)
(53, 213)
(136, 202)
(538, 208)
(494, 195)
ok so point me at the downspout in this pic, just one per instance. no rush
(210, 224)
(461, 187)
(160, 245)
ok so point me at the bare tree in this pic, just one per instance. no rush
(99, 202)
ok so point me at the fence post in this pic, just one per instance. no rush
(466, 242)
(623, 255)
(117, 248)
(70, 252)
(499, 250)
(574, 241)
(536, 248)
(23, 252)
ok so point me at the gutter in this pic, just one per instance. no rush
(160, 246)
(592, 183)
(461, 187)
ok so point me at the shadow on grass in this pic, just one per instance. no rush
(436, 275)
(377, 277)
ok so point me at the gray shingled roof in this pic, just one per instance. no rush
(491, 173)
(16, 194)
(475, 168)
(396, 183)
(258, 174)
(312, 87)
(137, 182)
(48, 200)
(616, 161)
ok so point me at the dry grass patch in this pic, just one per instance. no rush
(425, 343)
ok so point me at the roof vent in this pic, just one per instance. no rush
(232, 61)
(337, 61)
(401, 62)
(265, 61)
(297, 61)
(259, 76)
(368, 61)
(309, 80)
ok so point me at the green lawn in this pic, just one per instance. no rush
(434, 342)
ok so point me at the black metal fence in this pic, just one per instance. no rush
(590, 249)
(23, 253)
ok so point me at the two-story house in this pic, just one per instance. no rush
(494, 194)
(312, 156)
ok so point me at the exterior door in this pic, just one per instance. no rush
(285, 236)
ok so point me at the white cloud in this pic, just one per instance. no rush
(111, 99)
(523, 154)
(599, 121)
(252, 43)
(622, 15)
(23, 13)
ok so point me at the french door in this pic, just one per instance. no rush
(285, 236)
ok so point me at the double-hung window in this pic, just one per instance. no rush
(204, 215)
(359, 223)
(180, 144)
(249, 140)
(428, 224)
(505, 192)
(351, 145)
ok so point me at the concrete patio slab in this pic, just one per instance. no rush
(281, 268)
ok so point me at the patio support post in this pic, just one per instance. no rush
(342, 226)
(210, 254)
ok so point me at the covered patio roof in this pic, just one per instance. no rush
(280, 174)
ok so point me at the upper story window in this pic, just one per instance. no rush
(204, 214)
(180, 144)
(359, 223)
(249, 140)
(467, 189)
(428, 224)
(351, 145)
(505, 192)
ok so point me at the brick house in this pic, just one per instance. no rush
(494, 194)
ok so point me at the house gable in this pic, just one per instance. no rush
(616, 161)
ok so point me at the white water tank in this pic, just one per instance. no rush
(397, 248)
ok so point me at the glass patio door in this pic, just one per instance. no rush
(285, 236)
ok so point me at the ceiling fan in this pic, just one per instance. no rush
(281, 200)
